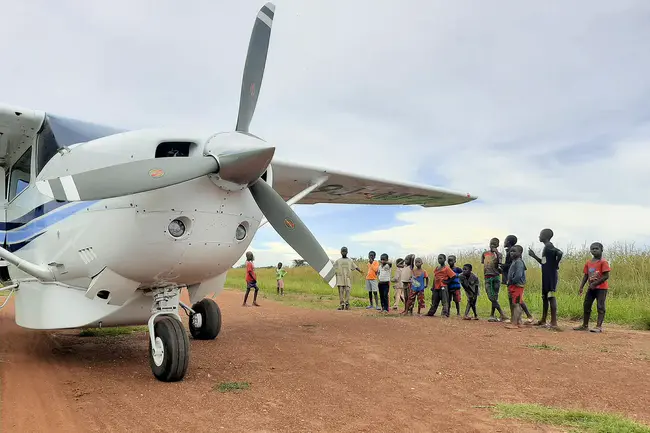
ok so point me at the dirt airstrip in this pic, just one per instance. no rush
(318, 371)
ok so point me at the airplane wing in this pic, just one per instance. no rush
(290, 179)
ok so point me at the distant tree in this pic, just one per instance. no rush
(299, 262)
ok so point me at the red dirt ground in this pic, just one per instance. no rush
(318, 371)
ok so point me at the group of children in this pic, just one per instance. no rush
(410, 281)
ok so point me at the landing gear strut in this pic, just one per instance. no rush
(169, 345)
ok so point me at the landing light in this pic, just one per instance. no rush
(240, 233)
(176, 228)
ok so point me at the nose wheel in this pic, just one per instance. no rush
(169, 350)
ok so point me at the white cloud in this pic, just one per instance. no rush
(446, 230)
(270, 253)
(540, 111)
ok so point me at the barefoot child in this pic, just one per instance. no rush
(491, 260)
(516, 284)
(470, 283)
(596, 271)
(440, 293)
(397, 283)
(344, 267)
(405, 275)
(279, 276)
(509, 242)
(419, 282)
(550, 262)
(454, 284)
(384, 281)
(372, 285)
(251, 279)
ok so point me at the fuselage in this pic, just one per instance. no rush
(125, 244)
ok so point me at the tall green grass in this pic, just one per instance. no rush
(628, 300)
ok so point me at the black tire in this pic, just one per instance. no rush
(210, 320)
(176, 354)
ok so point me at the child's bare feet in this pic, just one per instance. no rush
(244, 304)
(255, 304)
(512, 327)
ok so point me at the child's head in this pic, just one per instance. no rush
(545, 235)
(418, 263)
(516, 252)
(596, 250)
(383, 258)
(344, 252)
(451, 260)
(371, 256)
(249, 256)
(467, 269)
(408, 260)
(280, 265)
(510, 241)
(442, 259)
(494, 243)
(399, 262)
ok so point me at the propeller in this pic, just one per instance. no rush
(258, 47)
(278, 213)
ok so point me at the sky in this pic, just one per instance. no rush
(541, 109)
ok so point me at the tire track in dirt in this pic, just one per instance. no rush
(348, 371)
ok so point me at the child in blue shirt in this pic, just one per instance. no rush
(454, 285)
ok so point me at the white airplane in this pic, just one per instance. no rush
(104, 227)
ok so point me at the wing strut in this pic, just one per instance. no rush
(302, 194)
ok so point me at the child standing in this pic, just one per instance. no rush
(419, 282)
(470, 283)
(491, 260)
(251, 279)
(384, 281)
(344, 267)
(279, 276)
(509, 242)
(516, 283)
(454, 284)
(442, 277)
(550, 262)
(372, 285)
(596, 271)
(406, 275)
(397, 283)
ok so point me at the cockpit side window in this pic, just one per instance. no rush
(20, 174)
(46, 146)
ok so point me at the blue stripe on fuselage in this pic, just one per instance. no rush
(36, 222)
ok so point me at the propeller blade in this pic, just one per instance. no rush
(258, 47)
(125, 179)
(285, 221)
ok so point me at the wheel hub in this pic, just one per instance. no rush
(197, 320)
(158, 352)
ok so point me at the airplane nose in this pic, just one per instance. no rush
(242, 158)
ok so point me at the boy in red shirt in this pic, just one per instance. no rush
(251, 279)
(443, 275)
(596, 272)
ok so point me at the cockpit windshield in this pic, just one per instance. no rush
(58, 132)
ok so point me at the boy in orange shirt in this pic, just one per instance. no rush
(443, 275)
(251, 279)
(372, 285)
(596, 272)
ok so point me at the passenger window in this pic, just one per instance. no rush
(20, 174)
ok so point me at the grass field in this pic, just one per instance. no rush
(628, 301)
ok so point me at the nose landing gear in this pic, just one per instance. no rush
(169, 345)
